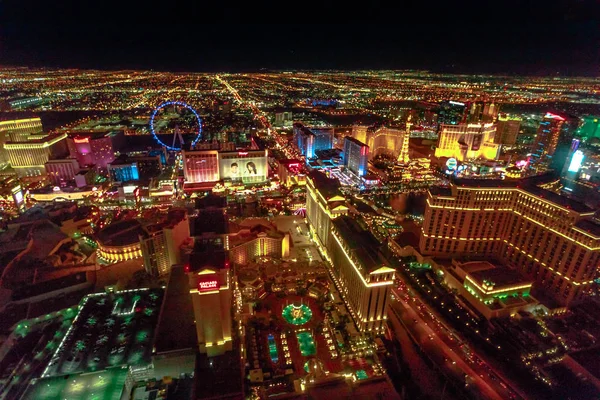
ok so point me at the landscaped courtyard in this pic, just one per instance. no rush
(306, 343)
(297, 314)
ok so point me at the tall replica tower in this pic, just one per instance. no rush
(403, 156)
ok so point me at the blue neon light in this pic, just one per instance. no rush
(576, 161)
(179, 103)
(134, 172)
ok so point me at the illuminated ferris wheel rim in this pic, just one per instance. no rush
(178, 103)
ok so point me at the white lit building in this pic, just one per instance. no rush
(467, 141)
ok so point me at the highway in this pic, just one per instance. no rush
(446, 349)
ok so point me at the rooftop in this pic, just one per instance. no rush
(361, 243)
(481, 271)
(328, 187)
(590, 226)
(41, 140)
(176, 330)
(110, 330)
(354, 140)
(93, 135)
(109, 382)
(211, 201)
(49, 286)
(121, 233)
(208, 254)
(219, 377)
(440, 191)
(529, 185)
(290, 162)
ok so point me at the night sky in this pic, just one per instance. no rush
(495, 36)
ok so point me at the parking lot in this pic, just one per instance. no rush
(110, 330)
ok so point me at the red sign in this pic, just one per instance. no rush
(204, 286)
(242, 153)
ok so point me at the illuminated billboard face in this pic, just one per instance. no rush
(248, 167)
(476, 142)
(576, 161)
(18, 196)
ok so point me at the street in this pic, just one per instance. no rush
(447, 350)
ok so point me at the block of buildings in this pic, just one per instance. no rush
(550, 239)
(467, 141)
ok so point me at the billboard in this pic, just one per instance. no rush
(244, 166)
(576, 161)
(476, 144)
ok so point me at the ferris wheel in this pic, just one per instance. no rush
(174, 140)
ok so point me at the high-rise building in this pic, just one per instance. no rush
(547, 137)
(310, 140)
(480, 112)
(29, 157)
(148, 166)
(467, 141)
(210, 216)
(283, 119)
(382, 140)
(24, 102)
(356, 265)
(21, 130)
(386, 140)
(472, 112)
(161, 243)
(123, 171)
(356, 156)
(323, 138)
(255, 241)
(507, 129)
(589, 127)
(201, 166)
(360, 272)
(61, 171)
(247, 166)
(451, 113)
(290, 172)
(210, 287)
(573, 163)
(490, 112)
(549, 238)
(324, 201)
(359, 132)
(96, 149)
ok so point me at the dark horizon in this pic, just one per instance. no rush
(557, 38)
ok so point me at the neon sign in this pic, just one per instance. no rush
(554, 116)
(84, 140)
(451, 163)
(204, 286)
(242, 153)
